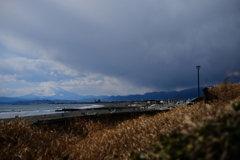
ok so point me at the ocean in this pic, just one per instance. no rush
(11, 111)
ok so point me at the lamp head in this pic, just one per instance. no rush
(198, 67)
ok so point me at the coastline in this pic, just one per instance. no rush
(108, 109)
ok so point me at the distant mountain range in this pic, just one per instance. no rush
(59, 95)
(184, 94)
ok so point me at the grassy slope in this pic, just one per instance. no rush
(108, 139)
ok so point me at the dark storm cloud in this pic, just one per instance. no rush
(153, 44)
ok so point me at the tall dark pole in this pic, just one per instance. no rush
(198, 68)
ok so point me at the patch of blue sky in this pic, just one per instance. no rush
(6, 53)
(99, 79)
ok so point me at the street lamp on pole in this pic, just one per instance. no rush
(198, 68)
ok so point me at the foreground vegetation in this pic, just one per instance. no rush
(203, 131)
(216, 140)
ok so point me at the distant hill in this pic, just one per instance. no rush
(59, 95)
(184, 94)
(8, 99)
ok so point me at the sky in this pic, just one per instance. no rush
(120, 47)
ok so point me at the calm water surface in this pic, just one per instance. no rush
(11, 111)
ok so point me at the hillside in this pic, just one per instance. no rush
(204, 131)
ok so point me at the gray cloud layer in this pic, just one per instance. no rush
(154, 44)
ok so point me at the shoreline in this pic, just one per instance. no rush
(108, 109)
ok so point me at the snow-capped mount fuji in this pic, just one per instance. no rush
(49, 95)
(52, 93)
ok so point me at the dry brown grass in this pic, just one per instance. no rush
(225, 91)
(107, 140)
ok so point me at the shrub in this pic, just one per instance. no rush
(216, 140)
